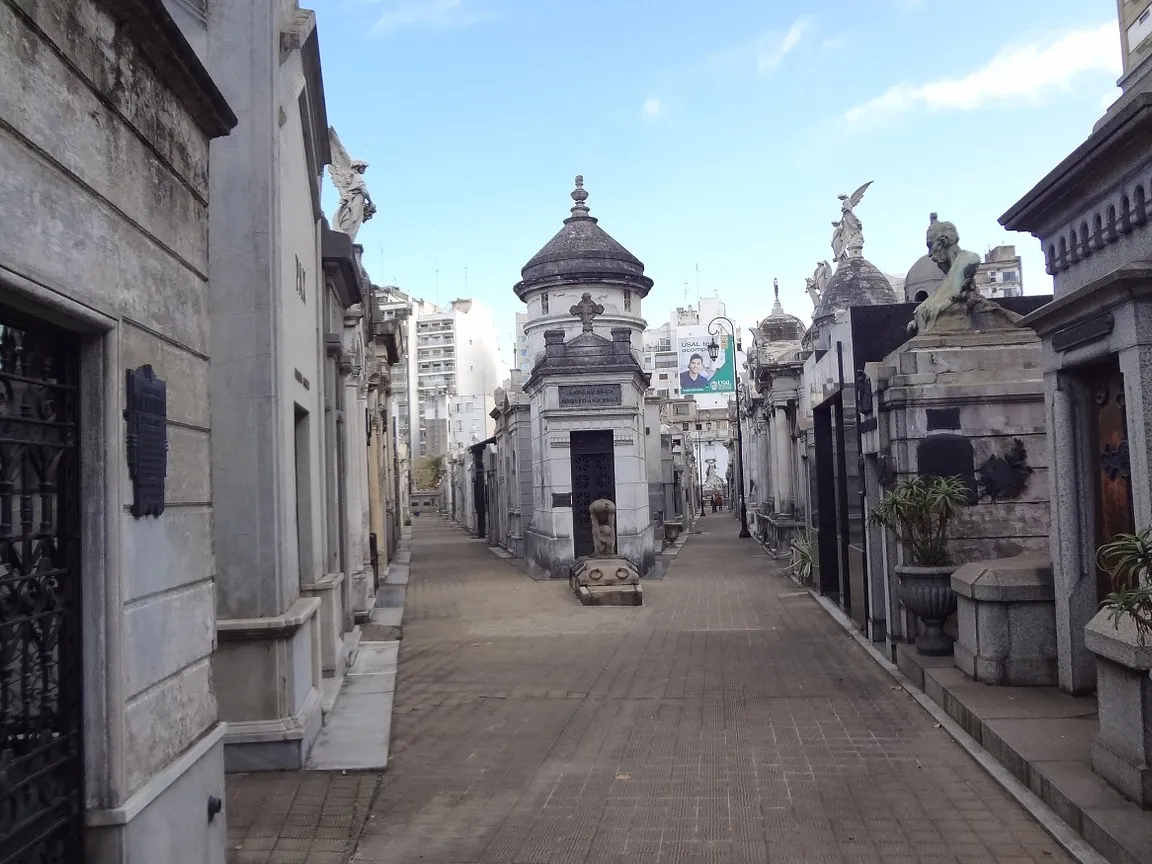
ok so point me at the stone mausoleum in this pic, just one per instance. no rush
(586, 392)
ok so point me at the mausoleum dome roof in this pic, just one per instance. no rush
(856, 282)
(582, 252)
(925, 276)
(779, 326)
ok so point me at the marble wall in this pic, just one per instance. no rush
(106, 174)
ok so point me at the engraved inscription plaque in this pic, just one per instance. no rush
(943, 418)
(561, 499)
(1083, 332)
(590, 395)
(147, 439)
(948, 455)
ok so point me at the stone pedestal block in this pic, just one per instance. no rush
(1122, 751)
(330, 619)
(609, 581)
(1006, 621)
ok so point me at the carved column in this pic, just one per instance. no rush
(781, 466)
(355, 465)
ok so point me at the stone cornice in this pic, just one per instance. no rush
(271, 627)
(1077, 177)
(1130, 282)
(151, 27)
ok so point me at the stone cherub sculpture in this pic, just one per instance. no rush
(347, 175)
(603, 513)
(848, 238)
(819, 281)
(958, 292)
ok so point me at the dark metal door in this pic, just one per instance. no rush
(593, 477)
(1114, 513)
(41, 765)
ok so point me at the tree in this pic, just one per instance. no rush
(428, 471)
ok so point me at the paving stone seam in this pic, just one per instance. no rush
(1061, 831)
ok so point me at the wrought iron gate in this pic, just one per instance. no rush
(41, 764)
(593, 477)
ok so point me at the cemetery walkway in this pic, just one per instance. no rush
(728, 720)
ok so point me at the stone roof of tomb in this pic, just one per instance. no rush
(582, 252)
(856, 282)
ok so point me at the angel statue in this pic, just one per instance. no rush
(819, 281)
(347, 175)
(848, 238)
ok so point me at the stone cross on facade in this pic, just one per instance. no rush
(586, 310)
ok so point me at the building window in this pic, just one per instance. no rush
(685, 426)
(544, 304)
(627, 301)
(681, 410)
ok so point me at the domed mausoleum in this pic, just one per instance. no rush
(590, 435)
(581, 257)
(924, 277)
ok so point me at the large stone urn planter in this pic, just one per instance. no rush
(927, 593)
(1122, 751)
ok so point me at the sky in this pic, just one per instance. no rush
(714, 136)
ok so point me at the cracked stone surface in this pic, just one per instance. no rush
(727, 720)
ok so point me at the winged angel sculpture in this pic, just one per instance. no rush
(848, 238)
(815, 286)
(347, 175)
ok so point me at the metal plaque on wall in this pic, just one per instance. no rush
(147, 439)
(589, 395)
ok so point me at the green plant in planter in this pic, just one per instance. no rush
(919, 510)
(1128, 560)
(801, 549)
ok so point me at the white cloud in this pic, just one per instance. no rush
(1025, 74)
(429, 13)
(761, 55)
(773, 52)
(652, 108)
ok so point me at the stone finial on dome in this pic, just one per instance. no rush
(777, 309)
(579, 195)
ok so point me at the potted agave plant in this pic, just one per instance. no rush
(1118, 636)
(1127, 558)
(919, 511)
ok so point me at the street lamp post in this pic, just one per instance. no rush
(700, 472)
(715, 328)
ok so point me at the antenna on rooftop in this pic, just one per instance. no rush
(465, 281)
(697, 284)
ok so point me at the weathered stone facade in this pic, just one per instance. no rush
(107, 115)
(1091, 216)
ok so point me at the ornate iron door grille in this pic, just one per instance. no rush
(593, 477)
(41, 764)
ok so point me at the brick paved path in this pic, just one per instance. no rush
(728, 720)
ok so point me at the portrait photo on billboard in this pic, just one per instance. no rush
(699, 373)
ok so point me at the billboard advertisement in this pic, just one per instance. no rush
(699, 373)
